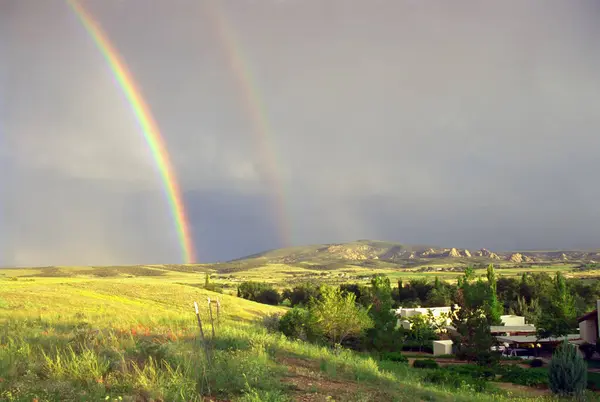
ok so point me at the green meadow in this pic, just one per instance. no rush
(131, 334)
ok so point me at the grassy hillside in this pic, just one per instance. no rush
(75, 334)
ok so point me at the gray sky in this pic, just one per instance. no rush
(464, 123)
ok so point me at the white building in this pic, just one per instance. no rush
(438, 312)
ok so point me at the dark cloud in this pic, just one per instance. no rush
(470, 124)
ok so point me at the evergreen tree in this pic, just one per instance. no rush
(383, 334)
(472, 320)
(567, 371)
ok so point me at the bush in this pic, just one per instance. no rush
(517, 375)
(295, 324)
(268, 296)
(416, 346)
(394, 357)
(536, 363)
(302, 294)
(451, 379)
(473, 371)
(271, 321)
(259, 292)
(426, 364)
(567, 371)
(384, 341)
(214, 288)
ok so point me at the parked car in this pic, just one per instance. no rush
(524, 354)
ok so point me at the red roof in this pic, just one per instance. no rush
(588, 316)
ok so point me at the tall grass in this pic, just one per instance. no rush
(132, 341)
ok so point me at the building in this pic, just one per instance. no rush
(515, 320)
(440, 313)
(509, 330)
(588, 325)
(519, 341)
(513, 325)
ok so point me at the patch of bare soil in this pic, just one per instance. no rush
(522, 389)
(309, 384)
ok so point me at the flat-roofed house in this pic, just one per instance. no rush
(588, 325)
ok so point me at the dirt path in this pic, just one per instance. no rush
(522, 389)
(309, 384)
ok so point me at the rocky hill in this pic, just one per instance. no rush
(365, 252)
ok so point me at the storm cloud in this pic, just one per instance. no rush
(465, 123)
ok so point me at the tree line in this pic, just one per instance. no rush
(361, 316)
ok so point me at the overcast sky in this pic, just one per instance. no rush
(454, 123)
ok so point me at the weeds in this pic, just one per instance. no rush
(129, 341)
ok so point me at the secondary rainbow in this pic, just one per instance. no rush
(257, 111)
(147, 125)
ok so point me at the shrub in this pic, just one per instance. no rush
(536, 363)
(567, 371)
(451, 379)
(473, 371)
(259, 292)
(426, 364)
(416, 346)
(389, 340)
(521, 376)
(269, 296)
(295, 323)
(302, 294)
(337, 316)
(394, 357)
(271, 321)
(213, 287)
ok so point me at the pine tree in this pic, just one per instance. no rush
(472, 321)
(567, 371)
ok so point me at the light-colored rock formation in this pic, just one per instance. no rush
(516, 257)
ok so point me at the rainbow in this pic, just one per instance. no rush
(147, 124)
(257, 111)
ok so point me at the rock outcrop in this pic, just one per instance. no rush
(467, 253)
(487, 253)
(428, 253)
(356, 253)
(452, 253)
(516, 257)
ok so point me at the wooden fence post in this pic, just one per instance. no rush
(201, 330)
(212, 322)
(218, 311)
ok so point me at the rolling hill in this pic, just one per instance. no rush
(382, 252)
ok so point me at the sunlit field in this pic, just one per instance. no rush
(135, 337)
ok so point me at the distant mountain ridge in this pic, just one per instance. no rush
(375, 250)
